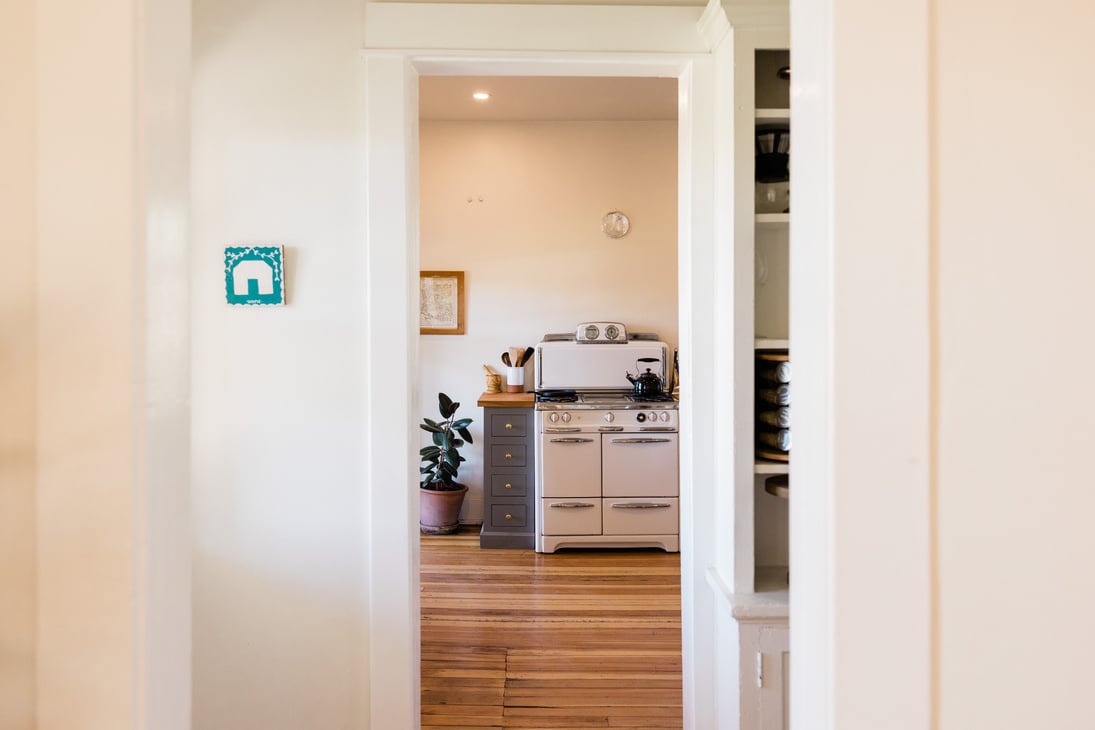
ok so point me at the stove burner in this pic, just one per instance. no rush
(658, 398)
(557, 395)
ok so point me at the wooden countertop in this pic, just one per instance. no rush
(506, 400)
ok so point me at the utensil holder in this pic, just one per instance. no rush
(515, 380)
(494, 383)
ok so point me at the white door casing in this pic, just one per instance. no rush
(392, 259)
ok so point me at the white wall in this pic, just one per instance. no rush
(278, 397)
(533, 255)
(1015, 400)
(943, 577)
(17, 365)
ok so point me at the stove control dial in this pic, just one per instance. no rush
(665, 416)
(640, 417)
(554, 417)
(566, 417)
(652, 416)
(609, 418)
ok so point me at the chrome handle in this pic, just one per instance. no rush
(572, 441)
(656, 428)
(641, 441)
(640, 505)
(609, 429)
(562, 430)
(573, 505)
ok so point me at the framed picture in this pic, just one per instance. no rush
(441, 302)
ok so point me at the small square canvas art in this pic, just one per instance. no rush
(254, 275)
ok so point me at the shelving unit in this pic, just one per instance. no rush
(771, 292)
(749, 575)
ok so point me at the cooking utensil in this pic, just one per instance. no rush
(487, 369)
(506, 360)
(515, 356)
(526, 355)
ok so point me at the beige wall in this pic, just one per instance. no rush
(530, 243)
(1015, 267)
(88, 382)
(17, 369)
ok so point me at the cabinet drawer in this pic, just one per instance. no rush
(509, 485)
(508, 455)
(648, 516)
(509, 423)
(508, 515)
(572, 516)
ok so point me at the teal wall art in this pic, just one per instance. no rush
(254, 275)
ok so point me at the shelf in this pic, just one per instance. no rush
(768, 343)
(763, 466)
(772, 219)
(765, 116)
(769, 602)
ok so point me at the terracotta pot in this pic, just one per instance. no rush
(439, 512)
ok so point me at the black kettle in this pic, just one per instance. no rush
(646, 384)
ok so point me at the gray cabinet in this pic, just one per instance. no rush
(508, 516)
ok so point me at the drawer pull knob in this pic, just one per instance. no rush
(509, 426)
(509, 486)
(509, 456)
(509, 517)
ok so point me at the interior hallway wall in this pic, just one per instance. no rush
(278, 395)
(531, 248)
(1016, 349)
(17, 369)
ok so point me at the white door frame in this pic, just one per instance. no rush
(392, 198)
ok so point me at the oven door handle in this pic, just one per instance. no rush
(572, 441)
(657, 428)
(573, 505)
(641, 441)
(640, 505)
(562, 430)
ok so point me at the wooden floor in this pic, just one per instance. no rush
(577, 639)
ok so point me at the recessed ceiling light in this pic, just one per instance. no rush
(480, 96)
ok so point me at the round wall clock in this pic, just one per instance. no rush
(615, 224)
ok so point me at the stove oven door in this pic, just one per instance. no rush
(640, 465)
(571, 465)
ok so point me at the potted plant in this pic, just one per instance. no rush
(441, 496)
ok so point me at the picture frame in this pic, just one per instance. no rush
(441, 302)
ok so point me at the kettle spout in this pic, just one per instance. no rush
(629, 378)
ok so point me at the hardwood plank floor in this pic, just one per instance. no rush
(575, 639)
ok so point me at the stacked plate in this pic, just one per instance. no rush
(773, 405)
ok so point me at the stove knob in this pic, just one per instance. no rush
(609, 418)
(566, 417)
(665, 415)
(640, 417)
(653, 416)
(554, 417)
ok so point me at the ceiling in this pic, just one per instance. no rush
(547, 98)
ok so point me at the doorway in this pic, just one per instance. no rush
(512, 190)
(392, 157)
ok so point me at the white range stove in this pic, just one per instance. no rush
(607, 471)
